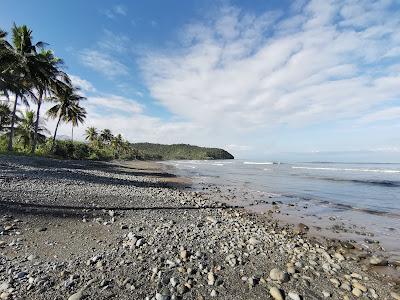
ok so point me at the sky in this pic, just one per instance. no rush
(274, 80)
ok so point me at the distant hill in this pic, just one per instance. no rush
(180, 151)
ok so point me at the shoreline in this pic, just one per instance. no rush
(336, 220)
(162, 241)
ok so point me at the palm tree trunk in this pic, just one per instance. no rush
(36, 124)
(14, 113)
(72, 134)
(55, 133)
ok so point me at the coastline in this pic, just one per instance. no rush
(133, 231)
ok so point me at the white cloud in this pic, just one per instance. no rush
(243, 81)
(237, 148)
(120, 10)
(115, 11)
(83, 84)
(113, 42)
(241, 71)
(103, 63)
(113, 104)
(388, 114)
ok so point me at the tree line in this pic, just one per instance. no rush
(30, 73)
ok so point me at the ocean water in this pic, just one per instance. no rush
(366, 195)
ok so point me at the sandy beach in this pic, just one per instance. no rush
(134, 230)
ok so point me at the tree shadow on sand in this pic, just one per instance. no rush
(81, 171)
(80, 211)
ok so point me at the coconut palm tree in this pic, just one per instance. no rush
(26, 129)
(15, 61)
(75, 115)
(10, 77)
(91, 134)
(5, 116)
(46, 74)
(106, 136)
(67, 104)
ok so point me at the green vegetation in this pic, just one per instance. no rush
(32, 74)
(180, 151)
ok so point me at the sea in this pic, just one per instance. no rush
(359, 201)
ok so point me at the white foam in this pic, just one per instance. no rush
(349, 169)
(257, 163)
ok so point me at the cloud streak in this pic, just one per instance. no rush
(103, 63)
(324, 63)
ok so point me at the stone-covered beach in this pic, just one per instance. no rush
(133, 230)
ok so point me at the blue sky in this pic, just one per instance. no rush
(288, 80)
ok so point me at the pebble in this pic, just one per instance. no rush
(377, 261)
(76, 296)
(276, 293)
(213, 293)
(294, 296)
(210, 278)
(278, 275)
(395, 295)
(291, 270)
(4, 286)
(253, 241)
(326, 294)
(4, 296)
(356, 292)
(335, 282)
(173, 281)
(183, 254)
(359, 286)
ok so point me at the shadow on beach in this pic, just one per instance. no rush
(49, 169)
(80, 211)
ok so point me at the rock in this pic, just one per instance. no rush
(395, 295)
(339, 256)
(359, 286)
(21, 275)
(41, 229)
(377, 261)
(291, 270)
(276, 293)
(213, 293)
(4, 296)
(76, 296)
(301, 229)
(139, 242)
(345, 286)
(162, 297)
(373, 294)
(4, 286)
(335, 282)
(31, 257)
(278, 275)
(326, 294)
(210, 278)
(294, 296)
(212, 220)
(356, 292)
(173, 281)
(253, 241)
(183, 254)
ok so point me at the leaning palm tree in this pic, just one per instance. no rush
(91, 134)
(26, 130)
(46, 74)
(67, 104)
